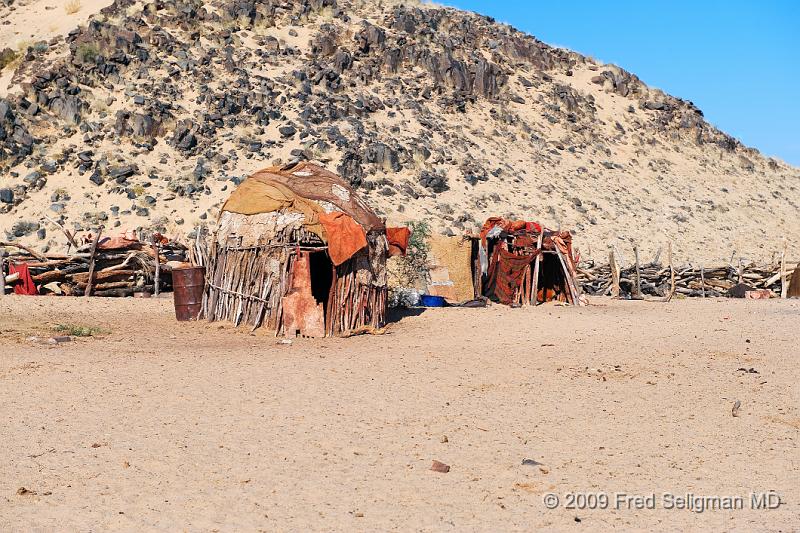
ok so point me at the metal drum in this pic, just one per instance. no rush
(187, 285)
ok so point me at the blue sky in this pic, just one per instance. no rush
(737, 61)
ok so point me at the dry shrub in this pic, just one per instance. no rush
(7, 57)
(72, 6)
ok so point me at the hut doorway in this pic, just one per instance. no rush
(552, 282)
(321, 268)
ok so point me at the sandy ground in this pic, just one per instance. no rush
(35, 20)
(198, 427)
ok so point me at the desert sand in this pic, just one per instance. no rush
(34, 20)
(159, 425)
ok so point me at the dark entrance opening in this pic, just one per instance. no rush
(552, 282)
(321, 269)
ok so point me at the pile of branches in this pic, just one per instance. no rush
(690, 280)
(89, 270)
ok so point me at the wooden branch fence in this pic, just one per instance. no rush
(692, 280)
(92, 271)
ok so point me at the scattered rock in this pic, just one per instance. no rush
(350, 168)
(185, 138)
(96, 178)
(433, 181)
(351, 100)
(23, 228)
(287, 131)
(438, 466)
(7, 196)
(121, 174)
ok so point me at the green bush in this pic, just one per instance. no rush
(418, 247)
(86, 53)
(411, 270)
(76, 330)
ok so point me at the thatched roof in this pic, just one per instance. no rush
(304, 188)
(300, 203)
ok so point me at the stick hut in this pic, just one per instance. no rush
(516, 262)
(296, 250)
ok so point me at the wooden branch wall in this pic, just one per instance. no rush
(690, 280)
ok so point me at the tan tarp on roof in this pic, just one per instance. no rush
(298, 188)
(255, 196)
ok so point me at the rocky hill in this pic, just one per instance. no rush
(151, 112)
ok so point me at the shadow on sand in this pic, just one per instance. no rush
(396, 314)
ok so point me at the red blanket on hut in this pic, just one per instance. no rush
(398, 240)
(506, 273)
(345, 236)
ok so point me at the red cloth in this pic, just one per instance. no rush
(118, 243)
(345, 236)
(25, 283)
(398, 240)
(509, 226)
(506, 273)
(126, 240)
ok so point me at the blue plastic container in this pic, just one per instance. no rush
(426, 300)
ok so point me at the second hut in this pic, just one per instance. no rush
(517, 262)
(296, 250)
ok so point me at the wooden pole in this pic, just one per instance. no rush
(784, 285)
(572, 288)
(657, 258)
(90, 282)
(525, 295)
(65, 231)
(638, 281)
(703, 281)
(199, 259)
(476, 276)
(612, 262)
(619, 254)
(2, 273)
(158, 266)
(536, 263)
(671, 273)
(31, 251)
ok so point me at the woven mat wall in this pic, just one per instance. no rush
(451, 262)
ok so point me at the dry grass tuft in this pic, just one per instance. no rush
(72, 6)
(77, 330)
